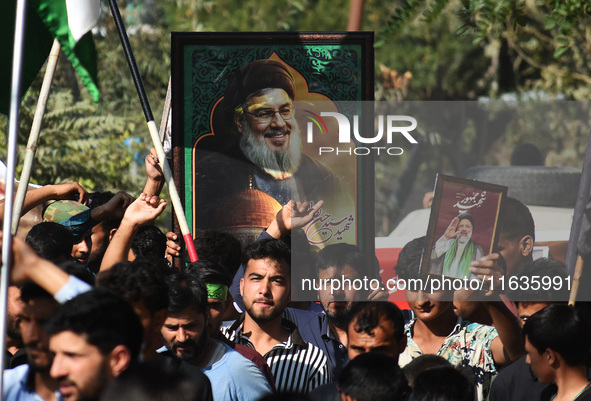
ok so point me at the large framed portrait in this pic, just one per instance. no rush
(463, 226)
(242, 108)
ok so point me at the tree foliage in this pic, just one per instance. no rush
(540, 44)
(425, 50)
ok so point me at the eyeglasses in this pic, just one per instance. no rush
(265, 116)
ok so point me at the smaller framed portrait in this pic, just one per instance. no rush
(463, 226)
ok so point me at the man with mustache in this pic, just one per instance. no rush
(232, 376)
(15, 354)
(298, 366)
(454, 252)
(94, 337)
(267, 154)
(32, 380)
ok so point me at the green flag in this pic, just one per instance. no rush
(68, 21)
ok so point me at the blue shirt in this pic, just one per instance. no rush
(232, 376)
(71, 289)
(313, 328)
(235, 378)
(18, 386)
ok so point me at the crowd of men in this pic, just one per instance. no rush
(136, 326)
(98, 312)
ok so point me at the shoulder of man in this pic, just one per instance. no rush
(14, 384)
(585, 395)
(313, 168)
(16, 373)
(245, 377)
(212, 161)
(479, 330)
(515, 382)
(312, 326)
(303, 317)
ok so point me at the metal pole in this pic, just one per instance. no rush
(139, 86)
(34, 136)
(17, 58)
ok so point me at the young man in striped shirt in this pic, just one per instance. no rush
(298, 366)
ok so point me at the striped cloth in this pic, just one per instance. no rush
(297, 366)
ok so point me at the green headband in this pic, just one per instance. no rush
(217, 291)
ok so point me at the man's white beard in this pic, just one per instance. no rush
(275, 163)
(464, 239)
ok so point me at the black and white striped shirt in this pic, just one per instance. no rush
(297, 366)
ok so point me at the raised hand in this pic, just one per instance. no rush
(113, 209)
(69, 191)
(144, 210)
(155, 175)
(490, 268)
(292, 215)
(452, 230)
(173, 249)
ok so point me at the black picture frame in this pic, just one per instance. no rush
(476, 203)
(200, 63)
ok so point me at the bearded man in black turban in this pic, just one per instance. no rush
(454, 252)
(268, 154)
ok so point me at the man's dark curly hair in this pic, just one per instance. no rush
(102, 318)
(143, 280)
(150, 242)
(366, 317)
(186, 291)
(409, 260)
(209, 272)
(219, 247)
(272, 248)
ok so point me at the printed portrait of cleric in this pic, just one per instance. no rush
(455, 250)
(267, 156)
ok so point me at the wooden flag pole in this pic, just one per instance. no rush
(139, 86)
(576, 279)
(34, 135)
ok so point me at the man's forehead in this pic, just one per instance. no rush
(188, 315)
(346, 270)
(82, 237)
(98, 229)
(384, 326)
(273, 96)
(69, 341)
(258, 265)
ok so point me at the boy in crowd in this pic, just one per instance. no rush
(437, 330)
(557, 340)
(517, 382)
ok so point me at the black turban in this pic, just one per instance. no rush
(466, 216)
(254, 76)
